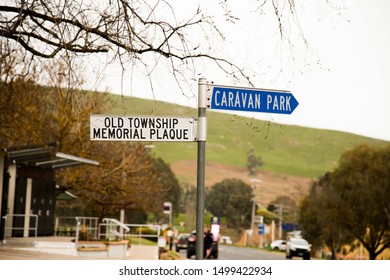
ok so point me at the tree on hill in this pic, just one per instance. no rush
(253, 162)
(232, 199)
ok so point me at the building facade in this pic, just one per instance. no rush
(28, 189)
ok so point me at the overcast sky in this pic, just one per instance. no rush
(341, 80)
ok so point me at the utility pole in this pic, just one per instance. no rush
(256, 182)
(253, 219)
(280, 208)
(280, 221)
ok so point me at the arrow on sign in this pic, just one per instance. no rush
(251, 100)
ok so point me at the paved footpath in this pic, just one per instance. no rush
(59, 248)
(7, 253)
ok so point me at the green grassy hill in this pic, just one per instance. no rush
(290, 150)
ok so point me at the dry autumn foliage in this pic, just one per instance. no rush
(35, 115)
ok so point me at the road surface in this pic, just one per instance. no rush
(244, 253)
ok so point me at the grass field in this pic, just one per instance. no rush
(290, 150)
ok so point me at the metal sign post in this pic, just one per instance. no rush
(168, 211)
(200, 194)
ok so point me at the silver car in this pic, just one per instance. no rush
(298, 247)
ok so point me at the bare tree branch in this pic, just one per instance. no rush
(48, 29)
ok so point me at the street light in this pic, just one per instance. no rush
(280, 207)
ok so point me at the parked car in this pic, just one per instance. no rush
(181, 241)
(279, 245)
(298, 247)
(225, 240)
(191, 247)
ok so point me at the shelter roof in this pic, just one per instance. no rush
(45, 157)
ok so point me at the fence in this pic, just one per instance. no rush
(140, 231)
(65, 226)
(111, 229)
(87, 228)
(25, 229)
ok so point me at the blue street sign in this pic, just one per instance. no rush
(260, 229)
(252, 100)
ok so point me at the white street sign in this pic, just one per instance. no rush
(258, 219)
(142, 128)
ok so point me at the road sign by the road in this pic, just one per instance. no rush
(251, 100)
(142, 128)
(167, 208)
(258, 219)
(260, 229)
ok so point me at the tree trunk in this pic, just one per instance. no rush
(373, 254)
(334, 253)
